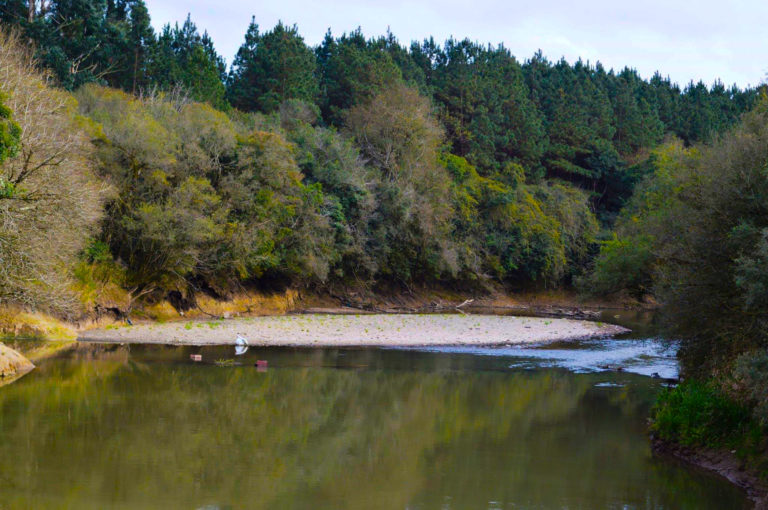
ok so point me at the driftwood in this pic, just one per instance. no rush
(465, 303)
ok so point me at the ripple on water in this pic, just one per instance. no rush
(646, 356)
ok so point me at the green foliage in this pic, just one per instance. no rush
(751, 377)
(485, 106)
(578, 226)
(97, 252)
(99, 279)
(399, 138)
(351, 69)
(699, 414)
(276, 219)
(622, 265)
(332, 160)
(577, 122)
(750, 275)
(113, 43)
(10, 141)
(714, 245)
(271, 68)
(629, 260)
(181, 58)
(361, 159)
(166, 241)
(694, 233)
(200, 199)
(518, 232)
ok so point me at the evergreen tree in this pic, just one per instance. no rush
(183, 58)
(483, 102)
(637, 125)
(271, 68)
(664, 96)
(141, 39)
(351, 69)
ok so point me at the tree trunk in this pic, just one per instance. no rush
(135, 68)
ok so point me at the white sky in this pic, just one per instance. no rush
(684, 39)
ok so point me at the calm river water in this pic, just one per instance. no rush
(139, 427)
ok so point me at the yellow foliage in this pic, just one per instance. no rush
(240, 305)
(18, 323)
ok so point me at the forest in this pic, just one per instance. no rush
(357, 162)
(138, 162)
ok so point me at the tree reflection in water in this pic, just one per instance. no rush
(143, 427)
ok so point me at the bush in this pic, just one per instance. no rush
(622, 265)
(751, 377)
(10, 133)
(700, 414)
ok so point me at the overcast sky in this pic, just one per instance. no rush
(684, 39)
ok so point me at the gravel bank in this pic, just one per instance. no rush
(388, 330)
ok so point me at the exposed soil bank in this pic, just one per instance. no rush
(556, 303)
(724, 463)
(392, 330)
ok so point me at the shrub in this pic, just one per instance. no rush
(622, 264)
(700, 414)
(751, 376)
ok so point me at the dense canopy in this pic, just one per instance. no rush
(360, 161)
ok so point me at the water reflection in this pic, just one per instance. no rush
(145, 427)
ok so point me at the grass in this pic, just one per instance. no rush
(19, 324)
(700, 414)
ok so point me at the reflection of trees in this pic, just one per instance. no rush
(111, 432)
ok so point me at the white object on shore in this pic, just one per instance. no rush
(241, 345)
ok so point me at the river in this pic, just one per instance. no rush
(555, 427)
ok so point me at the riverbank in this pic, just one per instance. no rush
(705, 425)
(722, 462)
(382, 330)
(17, 324)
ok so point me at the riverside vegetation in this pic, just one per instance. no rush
(135, 167)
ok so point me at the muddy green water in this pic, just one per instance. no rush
(144, 427)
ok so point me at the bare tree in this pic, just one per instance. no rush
(53, 198)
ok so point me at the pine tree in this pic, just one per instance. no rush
(183, 58)
(141, 38)
(270, 68)
(351, 69)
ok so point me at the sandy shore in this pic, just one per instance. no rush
(359, 330)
